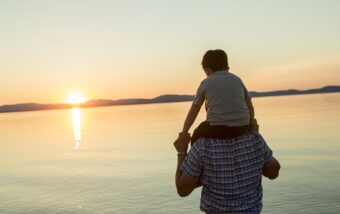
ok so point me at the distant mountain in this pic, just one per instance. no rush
(326, 89)
(32, 107)
(161, 99)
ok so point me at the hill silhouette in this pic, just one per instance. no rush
(161, 99)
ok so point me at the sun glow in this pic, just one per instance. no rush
(75, 98)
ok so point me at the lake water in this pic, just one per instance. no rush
(121, 159)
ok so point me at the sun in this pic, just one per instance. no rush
(75, 98)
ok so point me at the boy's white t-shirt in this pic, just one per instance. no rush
(223, 93)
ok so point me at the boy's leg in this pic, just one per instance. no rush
(200, 131)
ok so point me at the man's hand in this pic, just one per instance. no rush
(182, 142)
(271, 169)
(184, 183)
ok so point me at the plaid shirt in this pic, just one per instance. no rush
(230, 171)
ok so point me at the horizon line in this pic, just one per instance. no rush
(95, 99)
(167, 98)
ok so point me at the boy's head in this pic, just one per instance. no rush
(215, 60)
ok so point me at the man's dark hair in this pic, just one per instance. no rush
(216, 60)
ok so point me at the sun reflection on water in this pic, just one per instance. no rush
(76, 121)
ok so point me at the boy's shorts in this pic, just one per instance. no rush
(220, 132)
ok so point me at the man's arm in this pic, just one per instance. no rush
(271, 169)
(185, 184)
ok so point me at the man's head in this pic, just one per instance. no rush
(215, 60)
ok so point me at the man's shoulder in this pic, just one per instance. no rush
(202, 146)
(249, 139)
(199, 144)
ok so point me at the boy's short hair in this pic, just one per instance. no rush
(216, 60)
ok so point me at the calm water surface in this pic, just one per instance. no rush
(121, 159)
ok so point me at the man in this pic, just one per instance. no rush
(229, 170)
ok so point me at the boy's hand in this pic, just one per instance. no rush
(182, 142)
(183, 136)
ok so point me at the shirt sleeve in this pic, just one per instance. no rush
(200, 95)
(267, 152)
(192, 164)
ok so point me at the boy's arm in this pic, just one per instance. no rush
(249, 103)
(250, 106)
(194, 110)
(190, 119)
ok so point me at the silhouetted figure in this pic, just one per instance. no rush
(228, 156)
(230, 112)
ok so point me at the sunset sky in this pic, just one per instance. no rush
(133, 49)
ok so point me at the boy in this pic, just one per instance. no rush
(230, 112)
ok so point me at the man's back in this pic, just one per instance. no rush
(230, 171)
